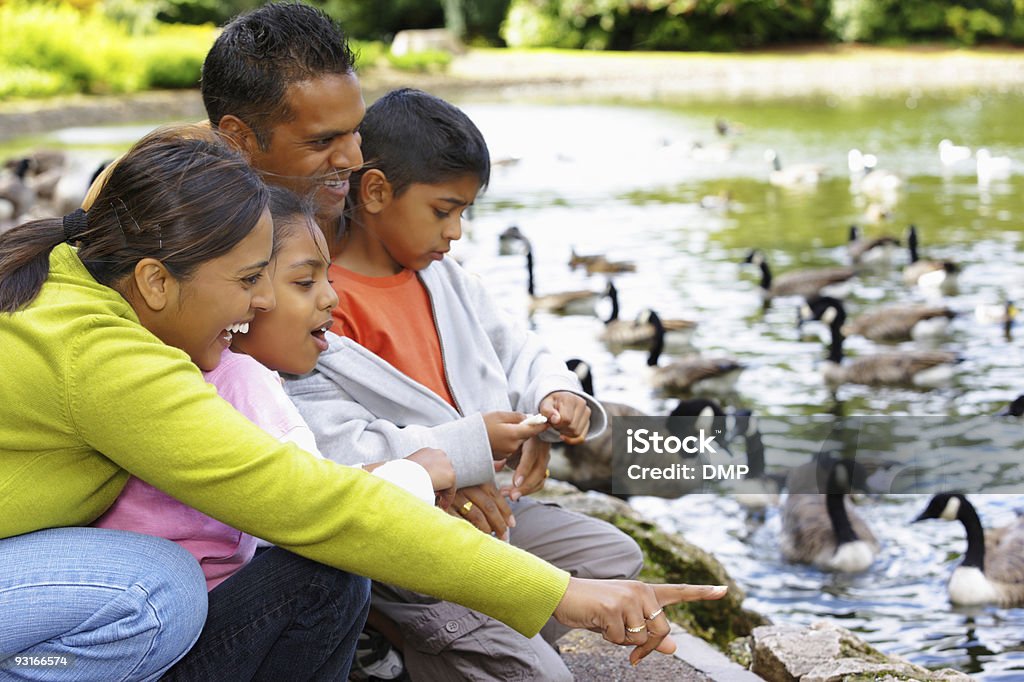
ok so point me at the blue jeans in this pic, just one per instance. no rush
(115, 605)
(282, 617)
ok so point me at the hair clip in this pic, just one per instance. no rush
(138, 228)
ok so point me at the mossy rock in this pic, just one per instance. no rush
(668, 558)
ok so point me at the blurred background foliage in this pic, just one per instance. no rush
(111, 46)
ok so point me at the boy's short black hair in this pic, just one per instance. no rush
(414, 137)
(260, 53)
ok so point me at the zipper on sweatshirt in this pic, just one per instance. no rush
(440, 343)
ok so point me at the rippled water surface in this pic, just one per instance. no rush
(628, 181)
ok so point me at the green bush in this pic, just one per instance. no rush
(87, 49)
(483, 20)
(368, 52)
(47, 49)
(968, 25)
(381, 20)
(173, 57)
(24, 81)
(965, 22)
(427, 60)
(215, 12)
(664, 24)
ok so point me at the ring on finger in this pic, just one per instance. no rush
(639, 628)
(467, 507)
(655, 614)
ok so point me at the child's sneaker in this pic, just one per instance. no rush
(376, 659)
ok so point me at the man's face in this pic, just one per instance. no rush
(317, 149)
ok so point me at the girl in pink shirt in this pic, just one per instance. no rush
(288, 338)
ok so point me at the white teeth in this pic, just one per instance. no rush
(324, 329)
(245, 328)
(239, 328)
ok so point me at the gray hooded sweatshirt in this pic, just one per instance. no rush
(361, 409)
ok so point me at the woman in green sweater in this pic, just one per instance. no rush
(104, 346)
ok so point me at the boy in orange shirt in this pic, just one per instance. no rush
(426, 358)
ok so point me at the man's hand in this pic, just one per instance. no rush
(484, 507)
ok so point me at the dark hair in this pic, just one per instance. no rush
(414, 137)
(291, 212)
(180, 195)
(260, 53)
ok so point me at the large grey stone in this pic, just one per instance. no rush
(825, 652)
(425, 40)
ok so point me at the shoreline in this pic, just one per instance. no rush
(829, 71)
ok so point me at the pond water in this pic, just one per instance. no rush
(628, 181)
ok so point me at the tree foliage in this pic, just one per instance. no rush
(737, 24)
(664, 24)
(965, 22)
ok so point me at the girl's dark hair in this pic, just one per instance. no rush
(291, 212)
(414, 137)
(260, 53)
(180, 195)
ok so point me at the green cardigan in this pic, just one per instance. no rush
(89, 395)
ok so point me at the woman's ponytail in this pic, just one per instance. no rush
(25, 261)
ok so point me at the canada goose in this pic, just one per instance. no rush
(868, 179)
(641, 331)
(865, 250)
(889, 324)
(951, 154)
(725, 128)
(16, 188)
(6, 214)
(1003, 314)
(720, 203)
(989, 168)
(806, 283)
(597, 264)
(877, 212)
(78, 175)
(1014, 409)
(929, 274)
(580, 302)
(578, 260)
(805, 174)
(996, 313)
(45, 168)
(683, 374)
(992, 571)
(923, 369)
(824, 530)
(502, 161)
(588, 465)
(512, 241)
(757, 491)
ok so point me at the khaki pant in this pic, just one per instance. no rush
(446, 641)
